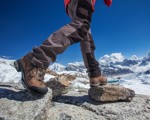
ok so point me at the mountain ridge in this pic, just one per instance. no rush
(112, 64)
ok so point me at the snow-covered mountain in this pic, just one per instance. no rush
(114, 64)
(77, 66)
(57, 67)
(132, 72)
(117, 64)
(110, 59)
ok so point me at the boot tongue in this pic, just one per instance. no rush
(38, 73)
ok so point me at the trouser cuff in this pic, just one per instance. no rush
(94, 73)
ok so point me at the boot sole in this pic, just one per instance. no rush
(19, 68)
(99, 84)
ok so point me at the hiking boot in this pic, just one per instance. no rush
(32, 77)
(96, 81)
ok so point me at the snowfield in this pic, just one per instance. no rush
(133, 73)
(7, 72)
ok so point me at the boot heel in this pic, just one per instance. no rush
(16, 64)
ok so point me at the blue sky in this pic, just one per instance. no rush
(124, 27)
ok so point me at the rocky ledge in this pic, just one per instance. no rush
(18, 104)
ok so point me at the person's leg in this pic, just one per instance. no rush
(33, 64)
(92, 65)
(84, 11)
(87, 48)
(71, 33)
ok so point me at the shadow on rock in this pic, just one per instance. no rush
(79, 100)
(18, 95)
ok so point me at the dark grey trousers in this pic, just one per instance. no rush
(80, 11)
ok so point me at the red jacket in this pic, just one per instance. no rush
(67, 2)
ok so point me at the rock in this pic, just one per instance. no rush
(70, 112)
(75, 105)
(59, 85)
(111, 93)
(21, 105)
(67, 76)
(63, 80)
(78, 106)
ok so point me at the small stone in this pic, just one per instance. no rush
(59, 85)
(63, 81)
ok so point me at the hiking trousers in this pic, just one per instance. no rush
(80, 12)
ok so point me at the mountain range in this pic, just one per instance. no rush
(113, 64)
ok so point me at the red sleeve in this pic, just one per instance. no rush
(66, 2)
(93, 3)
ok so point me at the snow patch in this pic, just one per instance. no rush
(47, 77)
(8, 73)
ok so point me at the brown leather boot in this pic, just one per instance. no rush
(96, 81)
(32, 77)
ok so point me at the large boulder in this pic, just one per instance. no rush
(18, 104)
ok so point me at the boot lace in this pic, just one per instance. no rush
(37, 73)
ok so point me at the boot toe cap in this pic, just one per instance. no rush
(39, 90)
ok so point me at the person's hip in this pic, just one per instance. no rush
(80, 9)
